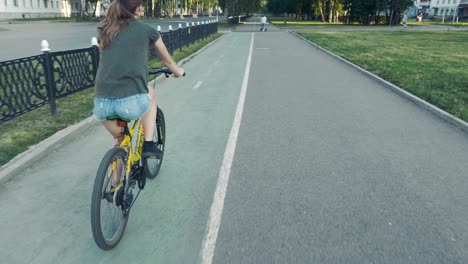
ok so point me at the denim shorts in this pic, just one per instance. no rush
(131, 107)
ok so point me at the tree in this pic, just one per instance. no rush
(396, 7)
(364, 12)
(319, 7)
(280, 6)
(239, 7)
(94, 4)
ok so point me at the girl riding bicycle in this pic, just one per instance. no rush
(121, 80)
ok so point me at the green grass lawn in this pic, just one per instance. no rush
(31, 128)
(288, 22)
(300, 22)
(224, 25)
(446, 23)
(292, 22)
(431, 65)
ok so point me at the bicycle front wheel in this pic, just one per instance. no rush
(108, 219)
(152, 166)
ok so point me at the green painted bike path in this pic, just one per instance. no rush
(45, 210)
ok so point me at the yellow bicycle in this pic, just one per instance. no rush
(120, 171)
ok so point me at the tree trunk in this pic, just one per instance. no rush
(377, 17)
(94, 11)
(394, 17)
(157, 9)
(149, 11)
(390, 20)
(348, 16)
(387, 16)
(321, 11)
(83, 8)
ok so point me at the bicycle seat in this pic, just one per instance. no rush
(121, 122)
(116, 117)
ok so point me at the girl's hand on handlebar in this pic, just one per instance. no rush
(180, 72)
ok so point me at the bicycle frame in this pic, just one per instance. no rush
(133, 156)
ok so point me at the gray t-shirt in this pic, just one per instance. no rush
(123, 66)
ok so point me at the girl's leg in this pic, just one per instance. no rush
(116, 131)
(149, 118)
(150, 148)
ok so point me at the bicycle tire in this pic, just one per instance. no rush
(97, 200)
(152, 166)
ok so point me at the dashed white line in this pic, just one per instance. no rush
(209, 243)
(197, 85)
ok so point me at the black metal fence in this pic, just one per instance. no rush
(176, 39)
(29, 83)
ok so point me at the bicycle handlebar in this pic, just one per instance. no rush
(164, 70)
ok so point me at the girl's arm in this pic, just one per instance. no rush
(166, 58)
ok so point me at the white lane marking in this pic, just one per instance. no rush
(197, 85)
(209, 242)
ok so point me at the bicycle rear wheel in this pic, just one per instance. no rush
(152, 166)
(108, 220)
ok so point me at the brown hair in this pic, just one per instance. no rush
(120, 11)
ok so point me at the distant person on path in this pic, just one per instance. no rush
(419, 17)
(404, 21)
(121, 79)
(263, 20)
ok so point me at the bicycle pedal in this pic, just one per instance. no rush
(141, 181)
(152, 156)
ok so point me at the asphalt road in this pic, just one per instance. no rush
(24, 39)
(329, 167)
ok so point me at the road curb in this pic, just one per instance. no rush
(36, 152)
(418, 101)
